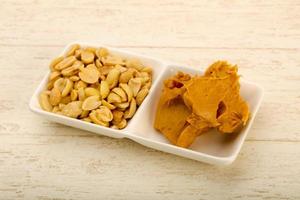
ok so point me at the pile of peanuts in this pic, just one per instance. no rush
(93, 85)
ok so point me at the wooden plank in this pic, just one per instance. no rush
(250, 24)
(100, 167)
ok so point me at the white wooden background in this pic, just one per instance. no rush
(44, 160)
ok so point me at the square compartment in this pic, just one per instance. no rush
(211, 147)
(157, 66)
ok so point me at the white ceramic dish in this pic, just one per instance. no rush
(213, 148)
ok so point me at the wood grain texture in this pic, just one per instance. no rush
(44, 160)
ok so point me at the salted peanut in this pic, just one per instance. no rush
(110, 106)
(72, 70)
(54, 75)
(147, 70)
(112, 60)
(113, 98)
(61, 106)
(65, 100)
(126, 76)
(122, 124)
(87, 57)
(81, 94)
(95, 85)
(114, 127)
(127, 90)
(147, 85)
(95, 120)
(101, 52)
(141, 96)
(104, 89)
(113, 78)
(90, 74)
(80, 84)
(72, 50)
(55, 109)
(121, 68)
(84, 114)
(55, 62)
(121, 93)
(104, 114)
(68, 87)
(77, 53)
(131, 111)
(117, 115)
(134, 63)
(74, 78)
(98, 63)
(54, 97)
(74, 95)
(59, 84)
(135, 84)
(122, 106)
(50, 84)
(67, 62)
(91, 49)
(44, 102)
(104, 70)
(143, 80)
(90, 91)
(91, 103)
(72, 109)
(87, 119)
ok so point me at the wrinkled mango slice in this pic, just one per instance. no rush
(190, 106)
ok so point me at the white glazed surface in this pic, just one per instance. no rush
(213, 147)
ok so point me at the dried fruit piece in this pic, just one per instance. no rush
(91, 103)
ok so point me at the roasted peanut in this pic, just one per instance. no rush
(134, 63)
(101, 52)
(126, 76)
(113, 78)
(117, 115)
(98, 64)
(131, 111)
(122, 124)
(113, 98)
(80, 84)
(110, 106)
(127, 90)
(95, 120)
(91, 103)
(122, 106)
(121, 93)
(74, 78)
(54, 75)
(44, 102)
(104, 89)
(81, 94)
(141, 96)
(54, 62)
(135, 84)
(72, 49)
(90, 74)
(90, 91)
(74, 95)
(55, 97)
(67, 88)
(72, 109)
(104, 114)
(67, 62)
(87, 57)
